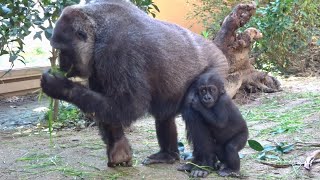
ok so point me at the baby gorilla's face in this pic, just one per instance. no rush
(208, 95)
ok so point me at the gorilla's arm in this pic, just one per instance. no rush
(199, 135)
(88, 101)
(61, 88)
(216, 115)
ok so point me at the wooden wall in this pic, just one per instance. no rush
(176, 11)
(20, 81)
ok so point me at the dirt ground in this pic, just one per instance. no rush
(21, 111)
(26, 153)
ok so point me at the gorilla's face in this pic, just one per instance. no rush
(208, 94)
(210, 88)
(73, 36)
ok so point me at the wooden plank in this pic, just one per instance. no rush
(22, 73)
(19, 86)
(21, 93)
(23, 80)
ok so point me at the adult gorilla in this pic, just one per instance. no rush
(135, 64)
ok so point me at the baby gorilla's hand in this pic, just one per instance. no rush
(196, 104)
(55, 85)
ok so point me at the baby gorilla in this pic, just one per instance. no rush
(214, 126)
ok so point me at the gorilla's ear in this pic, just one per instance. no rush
(222, 90)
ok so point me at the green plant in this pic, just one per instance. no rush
(147, 5)
(285, 120)
(288, 26)
(205, 34)
(210, 13)
(38, 51)
(16, 18)
(270, 151)
(68, 115)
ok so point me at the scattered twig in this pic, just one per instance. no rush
(304, 144)
(309, 144)
(276, 165)
(90, 125)
(206, 168)
(287, 164)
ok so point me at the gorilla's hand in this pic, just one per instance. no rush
(196, 104)
(55, 85)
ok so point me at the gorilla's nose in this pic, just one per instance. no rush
(207, 98)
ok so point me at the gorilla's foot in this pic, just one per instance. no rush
(120, 153)
(196, 172)
(228, 172)
(162, 157)
(185, 167)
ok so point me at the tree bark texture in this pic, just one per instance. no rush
(237, 47)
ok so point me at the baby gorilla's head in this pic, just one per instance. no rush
(210, 87)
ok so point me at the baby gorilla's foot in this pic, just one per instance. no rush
(228, 172)
(185, 167)
(196, 172)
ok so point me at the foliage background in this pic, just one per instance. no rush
(289, 28)
(19, 17)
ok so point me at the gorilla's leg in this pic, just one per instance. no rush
(203, 149)
(221, 157)
(230, 155)
(118, 148)
(167, 139)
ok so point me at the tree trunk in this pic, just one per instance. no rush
(236, 47)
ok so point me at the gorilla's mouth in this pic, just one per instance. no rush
(66, 64)
(209, 104)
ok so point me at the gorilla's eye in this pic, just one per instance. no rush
(81, 35)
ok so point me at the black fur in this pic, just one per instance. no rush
(135, 65)
(215, 130)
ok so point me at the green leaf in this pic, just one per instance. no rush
(4, 10)
(48, 33)
(262, 156)
(12, 57)
(288, 148)
(279, 149)
(269, 148)
(156, 7)
(21, 60)
(279, 131)
(318, 42)
(272, 157)
(20, 42)
(255, 145)
(38, 35)
(4, 52)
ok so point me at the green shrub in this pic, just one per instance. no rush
(288, 26)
